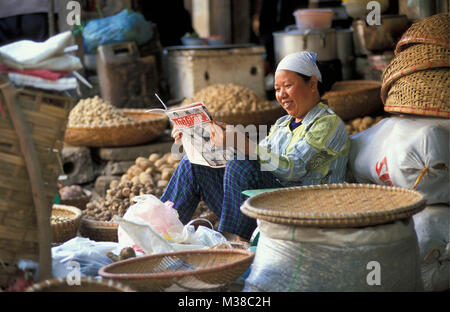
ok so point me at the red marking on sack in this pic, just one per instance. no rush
(383, 175)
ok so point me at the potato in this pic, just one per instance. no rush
(154, 157)
(367, 121)
(162, 183)
(145, 178)
(355, 123)
(135, 180)
(143, 163)
(134, 171)
(171, 160)
(125, 177)
(349, 128)
(165, 176)
(160, 162)
(114, 184)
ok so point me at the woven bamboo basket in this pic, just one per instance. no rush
(354, 98)
(63, 231)
(99, 231)
(334, 205)
(181, 271)
(260, 117)
(425, 93)
(45, 116)
(433, 30)
(87, 284)
(147, 127)
(413, 59)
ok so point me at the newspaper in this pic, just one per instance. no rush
(194, 121)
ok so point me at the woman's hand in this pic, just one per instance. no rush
(176, 135)
(218, 134)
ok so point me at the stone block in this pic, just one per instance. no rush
(77, 164)
(117, 167)
(162, 145)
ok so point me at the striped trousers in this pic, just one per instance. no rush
(221, 190)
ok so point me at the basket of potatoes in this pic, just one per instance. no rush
(354, 98)
(64, 222)
(149, 175)
(361, 123)
(236, 105)
(96, 123)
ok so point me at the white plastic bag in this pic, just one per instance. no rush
(148, 209)
(154, 227)
(407, 152)
(89, 255)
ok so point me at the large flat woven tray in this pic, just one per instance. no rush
(334, 205)
(147, 127)
(193, 270)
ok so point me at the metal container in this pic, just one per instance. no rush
(190, 69)
(321, 41)
(345, 52)
(126, 79)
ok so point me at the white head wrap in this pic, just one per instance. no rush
(301, 62)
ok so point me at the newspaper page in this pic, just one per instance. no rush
(194, 121)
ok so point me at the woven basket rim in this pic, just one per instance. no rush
(275, 107)
(369, 84)
(136, 124)
(414, 39)
(136, 133)
(326, 217)
(99, 224)
(84, 279)
(330, 223)
(75, 210)
(247, 256)
(424, 29)
(421, 111)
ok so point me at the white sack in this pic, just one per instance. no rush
(433, 232)
(395, 152)
(27, 54)
(291, 258)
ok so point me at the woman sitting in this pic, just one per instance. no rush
(307, 146)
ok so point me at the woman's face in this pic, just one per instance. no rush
(296, 96)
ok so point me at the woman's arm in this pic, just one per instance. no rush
(326, 140)
(225, 135)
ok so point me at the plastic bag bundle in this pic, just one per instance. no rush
(407, 152)
(433, 232)
(89, 256)
(154, 227)
(122, 27)
(378, 258)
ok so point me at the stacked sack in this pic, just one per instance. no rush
(412, 150)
